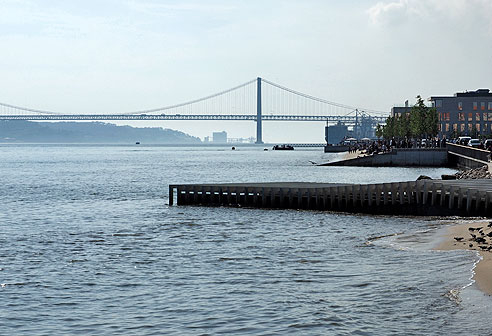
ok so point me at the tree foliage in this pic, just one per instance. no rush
(379, 130)
(421, 122)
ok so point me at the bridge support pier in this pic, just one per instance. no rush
(259, 139)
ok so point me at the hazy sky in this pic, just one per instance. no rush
(113, 55)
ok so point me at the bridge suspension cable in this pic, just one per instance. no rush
(160, 109)
(320, 100)
(25, 109)
(278, 102)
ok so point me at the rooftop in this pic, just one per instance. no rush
(476, 93)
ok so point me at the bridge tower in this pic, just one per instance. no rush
(259, 139)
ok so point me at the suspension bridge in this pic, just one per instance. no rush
(257, 100)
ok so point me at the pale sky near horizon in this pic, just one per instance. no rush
(109, 55)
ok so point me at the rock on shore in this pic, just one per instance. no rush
(477, 173)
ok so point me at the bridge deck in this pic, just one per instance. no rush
(425, 197)
(248, 117)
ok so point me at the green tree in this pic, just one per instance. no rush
(408, 131)
(389, 128)
(431, 122)
(398, 127)
(404, 126)
(379, 130)
(417, 118)
(423, 121)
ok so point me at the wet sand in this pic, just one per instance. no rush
(475, 236)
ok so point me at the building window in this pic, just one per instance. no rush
(470, 116)
(482, 106)
(440, 127)
(477, 116)
(447, 127)
(477, 127)
(490, 106)
(460, 106)
(448, 116)
(455, 128)
(461, 116)
(475, 105)
(470, 127)
(462, 128)
(439, 103)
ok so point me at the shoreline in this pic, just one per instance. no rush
(472, 236)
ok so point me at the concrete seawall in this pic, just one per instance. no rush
(407, 157)
(336, 149)
(453, 155)
(466, 157)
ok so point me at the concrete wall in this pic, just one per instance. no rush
(475, 153)
(336, 149)
(463, 157)
(401, 157)
(466, 157)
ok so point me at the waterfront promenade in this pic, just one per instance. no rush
(397, 157)
(423, 197)
(453, 155)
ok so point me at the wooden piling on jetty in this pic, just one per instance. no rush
(424, 197)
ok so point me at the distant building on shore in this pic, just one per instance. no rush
(398, 111)
(219, 137)
(336, 133)
(465, 113)
(249, 140)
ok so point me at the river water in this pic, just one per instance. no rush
(88, 245)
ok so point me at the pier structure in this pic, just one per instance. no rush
(423, 197)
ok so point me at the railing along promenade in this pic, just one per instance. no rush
(423, 197)
(466, 156)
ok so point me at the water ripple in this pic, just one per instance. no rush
(97, 251)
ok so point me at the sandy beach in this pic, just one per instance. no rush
(475, 236)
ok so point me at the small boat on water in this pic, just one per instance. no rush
(283, 147)
(137, 143)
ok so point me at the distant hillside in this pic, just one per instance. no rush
(87, 132)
